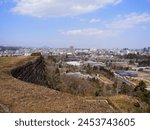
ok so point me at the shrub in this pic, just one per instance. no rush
(36, 54)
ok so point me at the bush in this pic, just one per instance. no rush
(141, 86)
(142, 93)
(36, 54)
(1, 110)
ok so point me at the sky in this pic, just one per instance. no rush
(78, 23)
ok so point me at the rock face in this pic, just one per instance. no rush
(33, 72)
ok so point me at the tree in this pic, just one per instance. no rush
(124, 89)
(141, 86)
(88, 69)
(95, 68)
(142, 93)
(98, 93)
(57, 71)
(36, 54)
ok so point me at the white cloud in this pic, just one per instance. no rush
(117, 2)
(94, 21)
(55, 8)
(114, 28)
(89, 31)
(130, 21)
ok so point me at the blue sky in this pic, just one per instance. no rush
(81, 23)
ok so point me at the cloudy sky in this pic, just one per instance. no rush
(81, 23)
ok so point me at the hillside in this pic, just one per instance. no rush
(34, 96)
(1, 110)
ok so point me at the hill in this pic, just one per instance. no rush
(30, 95)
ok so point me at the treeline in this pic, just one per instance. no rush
(142, 60)
(144, 63)
(4, 48)
(141, 92)
(135, 56)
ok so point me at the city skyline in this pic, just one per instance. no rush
(81, 23)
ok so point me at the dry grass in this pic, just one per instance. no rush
(20, 96)
(8, 62)
(127, 104)
(105, 80)
(137, 80)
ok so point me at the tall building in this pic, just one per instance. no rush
(71, 49)
(148, 49)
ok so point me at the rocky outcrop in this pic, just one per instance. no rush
(33, 72)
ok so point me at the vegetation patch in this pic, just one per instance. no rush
(129, 104)
(1, 110)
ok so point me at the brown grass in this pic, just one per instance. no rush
(20, 96)
(1, 110)
(137, 80)
(127, 104)
(106, 80)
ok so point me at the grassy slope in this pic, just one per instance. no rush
(127, 104)
(25, 97)
(1, 110)
(21, 96)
